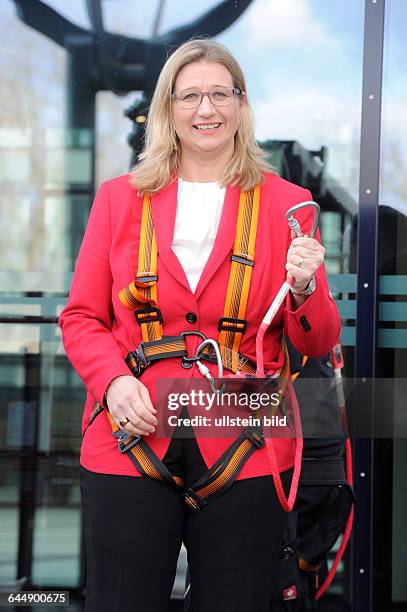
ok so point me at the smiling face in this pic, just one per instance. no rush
(207, 129)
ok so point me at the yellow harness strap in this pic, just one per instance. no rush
(143, 290)
(233, 323)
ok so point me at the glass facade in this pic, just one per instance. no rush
(64, 128)
(392, 350)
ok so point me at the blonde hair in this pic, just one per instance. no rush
(159, 162)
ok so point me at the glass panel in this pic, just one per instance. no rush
(113, 129)
(40, 411)
(391, 357)
(9, 515)
(39, 376)
(307, 104)
(56, 552)
(306, 95)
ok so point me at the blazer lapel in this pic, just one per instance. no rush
(224, 238)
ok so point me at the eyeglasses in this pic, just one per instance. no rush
(219, 96)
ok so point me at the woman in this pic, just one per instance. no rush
(200, 155)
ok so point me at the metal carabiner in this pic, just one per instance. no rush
(204, 370)
(188, 362)
(294, 224)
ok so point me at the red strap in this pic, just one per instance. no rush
(287, 503)
(348, 527)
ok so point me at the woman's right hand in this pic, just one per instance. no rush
(127, 397)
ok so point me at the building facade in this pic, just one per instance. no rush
(327, 84)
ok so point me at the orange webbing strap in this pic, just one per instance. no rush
(233, 324)
(143, 290)
(296, 374)
(169, 346)
(214, 482)
(224, 472)
(145, 460)
(245, 366)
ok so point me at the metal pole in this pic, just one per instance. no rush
(29, 465)
(366, 330)
(81, 101)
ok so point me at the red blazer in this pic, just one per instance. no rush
(98, 331)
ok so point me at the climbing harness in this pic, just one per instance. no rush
(232, 325)
(155, 345)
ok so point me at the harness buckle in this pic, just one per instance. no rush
(136, 361)
(232, 324)
(255, 435)
(125, 441)
(147, 279)
(243, 260)
(148, 315)
(193, 500)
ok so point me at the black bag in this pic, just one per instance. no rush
(324, 498)
(286, 581)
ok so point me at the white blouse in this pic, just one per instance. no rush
(199, 210)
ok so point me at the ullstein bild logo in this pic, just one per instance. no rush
(226, 421)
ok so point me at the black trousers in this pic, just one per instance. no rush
(134, 528)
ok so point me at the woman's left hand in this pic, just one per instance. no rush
(304, 257)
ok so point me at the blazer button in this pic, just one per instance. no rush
(191, 317)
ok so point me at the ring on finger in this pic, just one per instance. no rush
(123, 422)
